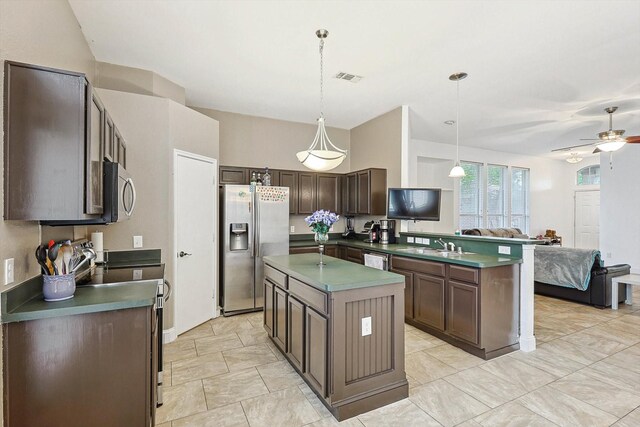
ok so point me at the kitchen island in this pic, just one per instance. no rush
(341, 326)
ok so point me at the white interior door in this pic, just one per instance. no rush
(195, 198)
(587, 219)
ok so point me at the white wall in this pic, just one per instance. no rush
(619, 208)
(551, 201)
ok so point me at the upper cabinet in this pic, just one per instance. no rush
(329, 192)
(367, 192)
(54, 145)
(307, 192)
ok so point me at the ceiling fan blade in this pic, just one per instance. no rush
(633, 139)
(597, 150)
(570, 148)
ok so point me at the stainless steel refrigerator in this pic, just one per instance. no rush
(254, 223)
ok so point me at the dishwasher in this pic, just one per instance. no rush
(377, 260)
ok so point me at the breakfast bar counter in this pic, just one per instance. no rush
(341, 326)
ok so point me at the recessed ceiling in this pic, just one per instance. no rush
(540, 72)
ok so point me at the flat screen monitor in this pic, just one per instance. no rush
(419, 204)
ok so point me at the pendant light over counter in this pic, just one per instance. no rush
(457, 171)
(322, 155)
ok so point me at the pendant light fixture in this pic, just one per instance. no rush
(457, 171)
(321, 155)
(574, 158)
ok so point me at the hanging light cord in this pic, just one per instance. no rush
(458, 122)
(322, 77)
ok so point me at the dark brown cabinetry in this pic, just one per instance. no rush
(280, 318)
(94, 155)
(110, 151)
(290, 179)
(355, 255)
(352, 194)
(366, 192)
(83, 370)
(350, 379)
(329, 192)
(233, 175)
(268, 307)
(307, 192)
(475, 309)
(329, 250)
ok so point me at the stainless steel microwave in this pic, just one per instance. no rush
(119, 198)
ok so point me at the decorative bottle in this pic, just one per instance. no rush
(266, 178)
(259, 179)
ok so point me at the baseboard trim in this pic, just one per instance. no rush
(169, 335)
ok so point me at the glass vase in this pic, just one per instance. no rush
(321, 238)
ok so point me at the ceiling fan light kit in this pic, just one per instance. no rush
(321, 155)
(574, 158)
(457, 171)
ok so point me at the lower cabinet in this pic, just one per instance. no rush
(462, 311)
(428, 300)
(268, 307)
(355, 255)
(408, 291)
(296, 333)
(329, 250)
(316, 350)
(280, 318)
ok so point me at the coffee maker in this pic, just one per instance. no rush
(372, 228)
(349, 229)
(387, 231)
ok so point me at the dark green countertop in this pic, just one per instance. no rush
(337, 275)
(471, 260)
(24, 304)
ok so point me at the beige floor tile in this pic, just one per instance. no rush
(628, 359)
(559, 325)
(553, 363)
(287, 407)
(595, 341)
(455, 357)
(602, 395)
(417, 342)
(579, 319)
(332, 422)
(402, 413)
(247, 357)
(179, 349)
(565, 410)
(425, 368)
(279, 375)
(470, 423)
(167, 424)
(217, 343)
(233, 387)
(180, 401)
(631, 420)
(516, 371)
(577, 352)
(256, 319)
(166, 374)
(275, 350)
(226, 325)
(445, 403)
(320, 408)
(225, 416)
(486, 387)
(253, 336)
(512, 414)
(626, 336)
(614, 375)
(545, 334)
(197, 368)
(200, 331)
(409, 328)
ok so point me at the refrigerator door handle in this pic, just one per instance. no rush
(252, 208)
(256, 210)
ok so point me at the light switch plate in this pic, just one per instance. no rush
(504, 250)
(419, 240)
(366, 326)
(426, 241)
(137, 242)
(8, 271)
(292, 229)
(409, 239)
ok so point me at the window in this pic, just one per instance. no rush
(589, 175)
(506, 196)
(496, 197)
(471, 196)
(520, 199)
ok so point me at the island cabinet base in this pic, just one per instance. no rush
(352, 371)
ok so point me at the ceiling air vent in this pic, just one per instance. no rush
(348, 77)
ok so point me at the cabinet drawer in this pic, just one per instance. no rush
(277, 277)
(315, 298)
(354, 255)
(466, 274)
(429, 267)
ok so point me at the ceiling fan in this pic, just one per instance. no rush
(609, 140)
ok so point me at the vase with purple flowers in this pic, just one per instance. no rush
(320, 223)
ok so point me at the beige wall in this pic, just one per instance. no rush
(43, 33)
(377, 143)
(136, 80)
(152, 128)
(259, 141)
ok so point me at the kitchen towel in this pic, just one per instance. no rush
(374, 261)
(98, 246)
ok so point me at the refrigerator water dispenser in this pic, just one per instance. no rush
(239, 238)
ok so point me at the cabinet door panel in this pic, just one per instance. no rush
(290, 179)
(94, 155)
(122, 152)
(352, 194)
(408, 292)
(329, 192)
(428, 300)
(280, 318)
(109, 138)
(331, 250)
(316, 351)
(462, 311)
(307, 187)
(268, 307)
(355, 255)
(233, 175)
(364, 192)
(295, 311)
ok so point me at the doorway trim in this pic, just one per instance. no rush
(176, 154)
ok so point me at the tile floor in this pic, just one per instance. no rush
(585, 372)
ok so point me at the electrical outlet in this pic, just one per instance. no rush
(504, 250)
(608, 255)
(366, 326)
(137, 274)
(419, 240)
(292, 229)
(8, 271)
(426, 241)
(137, 242)
(409, 239)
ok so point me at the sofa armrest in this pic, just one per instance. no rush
(601, 284)
(617, 270)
